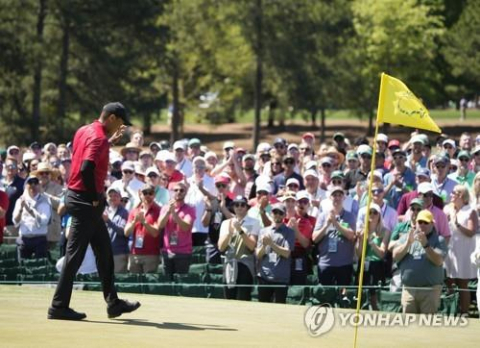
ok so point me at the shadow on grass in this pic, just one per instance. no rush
(164, 326)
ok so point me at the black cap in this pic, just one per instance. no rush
(164, 145)
(279, 141)
(35, 144)
(118, 110)
(240, 199)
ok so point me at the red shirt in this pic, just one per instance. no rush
(176, 176)
(4, 203)
(306, 224)
(90, 143)
(150, 244)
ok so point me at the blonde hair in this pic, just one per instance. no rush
(465, 193)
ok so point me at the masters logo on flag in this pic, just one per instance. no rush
(398, 105)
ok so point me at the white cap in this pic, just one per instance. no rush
(326, 159)
(228, 144)
(164, 156)
(152, 169)
(425, 187)
(262, 147)
(128, 165)
(28, 156)
(302, 195)
(382, 137)
(292, 146)
(376, 207)
(199, 159)
(113, 189)
(179, 144)
(13, 147)
(311, 165)
(210, 154)
(449, 141)
(310, 172)
(139, 169)
(292, 181)
(264, 187)
(377, 174)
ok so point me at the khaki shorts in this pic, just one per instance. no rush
(143, 263)
(421, 300)
(121, 262)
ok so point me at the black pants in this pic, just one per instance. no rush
(27, 247)
(87, 227)
(199, 239)
(242, 293)
(277, 294)
(341, 275)
(299, 270)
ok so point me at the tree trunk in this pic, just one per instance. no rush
(271, 118)
(259, 72)
(37, 75)
(313, 117)
(370, 123)
(147, 124)
(62, 83)
(176, 107)
(322, 124)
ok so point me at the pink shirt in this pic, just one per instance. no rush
(441, 221)
(175, 240)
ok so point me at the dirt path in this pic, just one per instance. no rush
(242, 134)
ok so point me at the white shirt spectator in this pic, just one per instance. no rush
(195, 198)
(35, 222)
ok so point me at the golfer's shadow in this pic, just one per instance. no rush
(165, 326)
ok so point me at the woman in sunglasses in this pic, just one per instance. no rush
(238, 238)
(374, 265)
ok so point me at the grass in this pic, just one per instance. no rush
(182, 322)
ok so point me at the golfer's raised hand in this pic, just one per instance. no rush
(117, 135)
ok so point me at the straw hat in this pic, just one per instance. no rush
(128, 147)
(42, 168)
(332, 150)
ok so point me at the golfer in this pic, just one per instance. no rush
(85, 202)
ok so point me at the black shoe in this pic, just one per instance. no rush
(65, 314)
(120, 307)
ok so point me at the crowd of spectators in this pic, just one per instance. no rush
(273, 217)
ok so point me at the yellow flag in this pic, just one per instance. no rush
(398, 105)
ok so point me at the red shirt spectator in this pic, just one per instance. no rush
(150, 244)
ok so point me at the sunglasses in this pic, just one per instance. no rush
(33, 182)
(448, 147)
(337, 182)
(293, 185)
(440, 166)
(366, 157)
(377, 191)
(262, 193)
(148, 193)
(327, 165)
(279, 146)
(464, 159)
(428, 194)
(303, 201)
(127, 172)
(423, 222)
(179, 190)
(11, 166)
(152, 175)
(289, 162)
(373, 212)
(415, 210)
(277, 212)
(240, 205)
(220, 185)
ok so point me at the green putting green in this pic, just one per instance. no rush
(181, 322)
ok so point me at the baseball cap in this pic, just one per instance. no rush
(153, 144)
(278, 206)
(288, 195)
(147, 187)
(476, 149)
(425, 215)
(279, 141)
(113, 189)
(292, 146)
(337, 174)
(393, 143)
(464, 153)
(417, 139)
(210, 154)
(449, 141)
(145, 153)
(441, 159)
(248, 156)
(423, 172)
(308, 135)
(263, 147)
(292, 181)
(222, 179)
(425, 187)
(382, 137)
(311, 164)
(179, 144)
(352, 155)
(228, 145)
(310, 172)
(194, 142)
(364, 149)
(35, 145)
(338, 135)
(417, 201)
(326, 159)
(151, 170)
(118, 110)
(399, 151)
(30, 179)
(164, 145)
(240, 199)
(128, 165)
(376, 173)
(264, 187)
(302, 195)
(376, 207)
(334, 189)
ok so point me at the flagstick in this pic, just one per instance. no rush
(367, 217)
